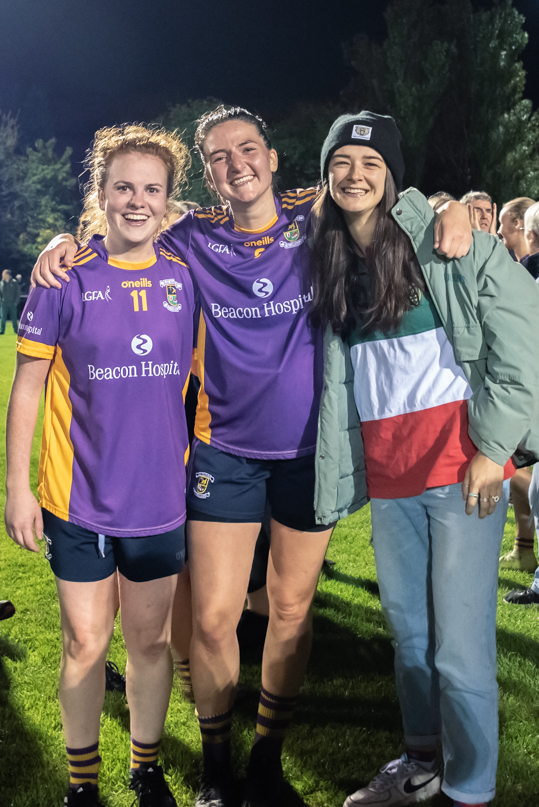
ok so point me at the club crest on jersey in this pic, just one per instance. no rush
(292, 234)
(201, 488)
(172, 288)
(362, 132)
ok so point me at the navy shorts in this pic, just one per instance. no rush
(227, 488)
(81, 556)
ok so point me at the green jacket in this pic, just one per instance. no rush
(489, 307)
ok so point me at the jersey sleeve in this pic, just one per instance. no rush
(177, 238)
(39, 326)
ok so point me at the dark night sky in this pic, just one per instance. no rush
(89, 64)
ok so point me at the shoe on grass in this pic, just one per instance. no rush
(87, 795)
(215, 791)
(150, 787)
(114, 680)
(401, 781)
(525, 596)
(7, 609)
(264, 780)
(519, 561)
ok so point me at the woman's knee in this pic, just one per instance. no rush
(215, 628)
(290, 610)
(85, 646)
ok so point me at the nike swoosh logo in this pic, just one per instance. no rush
(408, 787)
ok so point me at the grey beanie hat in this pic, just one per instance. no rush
(379, 132)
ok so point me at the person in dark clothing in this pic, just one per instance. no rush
(531, 229)
(10, 292)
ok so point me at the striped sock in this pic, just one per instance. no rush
(525, 544)
(143, 754)
(84, 764)
(215, 733)
(273, 719)
(184, 671)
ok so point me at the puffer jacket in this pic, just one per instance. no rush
(489, 308)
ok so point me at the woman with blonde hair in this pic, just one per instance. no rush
(114, 348)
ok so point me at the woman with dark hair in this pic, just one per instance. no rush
(259, 364)
(445, 390)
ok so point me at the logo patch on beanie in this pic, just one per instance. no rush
(362, 132)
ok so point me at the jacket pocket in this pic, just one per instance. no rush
(468, 343)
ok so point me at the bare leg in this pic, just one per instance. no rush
(87, 614)
(258, 602)
(294, 566)
(522, 556)
(182, 617)
(146, 618)
(220, 560)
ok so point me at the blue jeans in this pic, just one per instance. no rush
(438, 574)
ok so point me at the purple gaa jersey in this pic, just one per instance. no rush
(259, 361)
(120, 339)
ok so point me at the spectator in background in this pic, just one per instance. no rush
(482, 212)
(439, 199)
(511, 228)
(10, 292)
(531, 231)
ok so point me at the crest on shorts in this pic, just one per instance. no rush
(362, 132)
(292, 234)
(202, 481)
(172, 288)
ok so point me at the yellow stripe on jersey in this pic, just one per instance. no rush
(132, 265)
(203, 416)
(56, 460)
(35, 349)
(170, 257)
(184, 393)
(261, 230)
(84, 259)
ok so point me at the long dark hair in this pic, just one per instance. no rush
(343, 296)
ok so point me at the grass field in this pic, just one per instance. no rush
(347, 724)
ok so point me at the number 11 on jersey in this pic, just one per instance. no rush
(135, 296)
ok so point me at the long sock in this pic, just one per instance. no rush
(215, 733)
(184, 672)
(84, 764)
(273, 719)
(143, 754)
(524, 544)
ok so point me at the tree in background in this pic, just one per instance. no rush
(298, 137)
(453, 79)
(38, 197)
(184, 117)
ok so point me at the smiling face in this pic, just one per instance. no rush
(239, 165)
(134, 199)
(357, 176)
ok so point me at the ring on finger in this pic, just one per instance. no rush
(475, 495)
(485, 500)
(495, 499)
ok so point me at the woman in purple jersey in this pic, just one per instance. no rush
(109, 452)
(231, 480)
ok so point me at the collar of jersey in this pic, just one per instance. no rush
(132, 266)
(268, 226)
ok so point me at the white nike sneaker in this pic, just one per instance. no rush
(399, 782)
